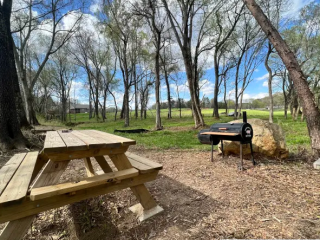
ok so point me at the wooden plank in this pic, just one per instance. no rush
(72, 187)
(143, 160)
(72, 142)
(95, 141)
(140, 166)
(112, 137)
(103, 164)
(53, 143)
(219, 133)
(18, 186)
(9, 169)
(62, 156)
(92, 142)
(26, 208)
(13, 211)
(141, 192)
(10, 230)
(89, 167)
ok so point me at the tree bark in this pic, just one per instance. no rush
(301, 86)
(216, 84)
(157, 83)
(11, 135)
(269, 82)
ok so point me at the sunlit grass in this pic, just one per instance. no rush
(180, 133)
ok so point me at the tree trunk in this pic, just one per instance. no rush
(301, 86)
(168, 92)
(225, 94)
(11, 135)
(18, 98)
(195, 102)
(136, 104)
(90, 104)
(126, 107)
(285, 96)
(216, 87)
(29, 103)
(157, 83)
(295, 105)
(269, 82)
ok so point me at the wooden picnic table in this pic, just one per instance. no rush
(30, 182)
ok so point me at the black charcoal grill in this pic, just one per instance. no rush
(241, 132)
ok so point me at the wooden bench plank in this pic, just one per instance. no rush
(49, 191)
(18, 186)
(219, 133)
(53, 143)
(113, 138)
(72, 142)
(92, 142)
(9, 169)
(110, 143)
(142, 160)
(140, 166)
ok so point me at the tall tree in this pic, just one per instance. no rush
(119, 22)
(11, 135)
(51, 16)
(150, 10)
(306, 97)
(225, 20)
(191, 32)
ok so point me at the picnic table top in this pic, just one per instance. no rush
(74, 140)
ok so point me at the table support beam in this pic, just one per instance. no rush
(141, 192)
(103, 164)
(89, 167)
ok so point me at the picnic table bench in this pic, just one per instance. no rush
(29, 181)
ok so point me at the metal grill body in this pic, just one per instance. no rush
(241, 132)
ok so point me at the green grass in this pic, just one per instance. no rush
(179, 132)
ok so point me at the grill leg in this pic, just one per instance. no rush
(211, 151)
(222, 148)
(241, 159)
(252, 158)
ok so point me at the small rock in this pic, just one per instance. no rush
(316, 164)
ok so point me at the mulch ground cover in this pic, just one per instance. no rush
(201, 200)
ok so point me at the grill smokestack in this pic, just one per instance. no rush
(244, 116)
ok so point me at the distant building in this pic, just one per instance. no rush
(79, 108)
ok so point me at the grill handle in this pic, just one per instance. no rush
(244, 114)
(223, 128)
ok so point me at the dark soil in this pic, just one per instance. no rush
(201, 200)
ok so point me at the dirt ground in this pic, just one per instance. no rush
(201, 200)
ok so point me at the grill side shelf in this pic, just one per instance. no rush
(220, 133)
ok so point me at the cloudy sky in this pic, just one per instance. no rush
(258, 88)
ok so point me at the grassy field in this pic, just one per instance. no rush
(179, 132)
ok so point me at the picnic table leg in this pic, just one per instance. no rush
(89, 167)
(50, 175)
(148, 206)
(103, 164)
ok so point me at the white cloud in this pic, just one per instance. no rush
(264, 77)
(96, 6)
(275, 83)
(255, 96)
(295, 7)
(206, 87)
(181, 88)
